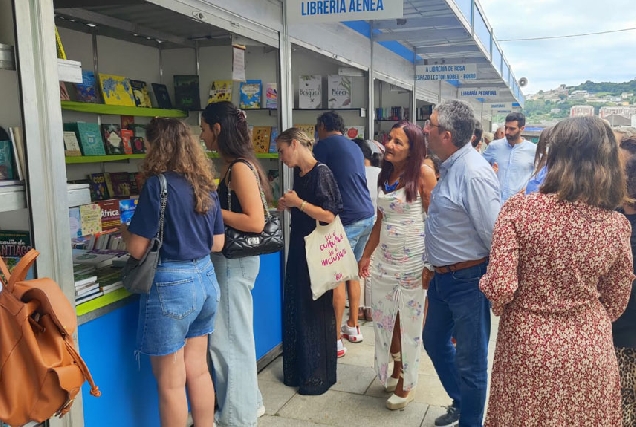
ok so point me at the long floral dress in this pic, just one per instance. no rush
(559, 274)
(396, 283)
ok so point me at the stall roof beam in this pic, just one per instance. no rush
(446, 50)
(103, 20)
(454, 61)
(422, 34)
(447, 20)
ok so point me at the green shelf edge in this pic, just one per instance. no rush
(116, 110)
(76, 160)
(102, 301)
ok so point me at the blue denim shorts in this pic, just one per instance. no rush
(358, 235)
(181, 304)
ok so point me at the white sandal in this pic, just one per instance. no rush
(396, 402)
(391, 383)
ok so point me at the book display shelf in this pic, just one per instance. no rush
(118, 110)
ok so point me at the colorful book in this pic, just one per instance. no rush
(14, 244)
(99, 186)
(186, 93)
(64, 95)
(141, 94)
(75, 222)
(110, 214)
(161, 95)
(112, 139)
(261, 136)
(310, 92)
(87, 90)
(271, 96)
(250, 93)
(139, 139)
(71, 144)
(116, 90)
(6, 160)
(91, 218)
(126, 139)
(339, 91)
(127, 209)
(122, 184)
(353, 132)
(89, 136)
(273, 148)
(127, 122)
(221, 90)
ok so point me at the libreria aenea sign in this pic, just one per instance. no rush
(303, 11)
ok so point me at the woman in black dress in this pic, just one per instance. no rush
(309, 327)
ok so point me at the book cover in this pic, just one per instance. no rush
(127, 209)
(261, 136)
(6, 160)
(90, 138)
(221, 90)
(64, 95)
(161, 95)
(99, 186)
(271, 96)
(273, 148)
(110, 214)
(353, 132)
(91, 218)
(87, 90)
(250, 92)
(127, 122)
(310, 92)
(126, 140)
(112, 139)
(15, 134)
(116, 90)
(309, 130)
(75, 222)
(186, 93)
(71, 144)
(14, 244)
(272, 177)
(339, 91)
(139, 139)
(122, 185)
(141, 94)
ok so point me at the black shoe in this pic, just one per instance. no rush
(451, 416)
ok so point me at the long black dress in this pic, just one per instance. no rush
(309, 327)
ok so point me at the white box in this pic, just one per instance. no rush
(339, 95)
(78, 194)
(69, 71)
(310, 92)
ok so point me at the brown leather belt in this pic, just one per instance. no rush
(459, 266)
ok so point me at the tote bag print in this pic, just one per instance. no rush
(329, 257)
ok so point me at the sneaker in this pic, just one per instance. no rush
(351, 333)
(260, 412)
(342, 350)
(449, 418)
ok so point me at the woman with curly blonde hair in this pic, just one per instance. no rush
(177, 316)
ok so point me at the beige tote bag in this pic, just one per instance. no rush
(329, 257)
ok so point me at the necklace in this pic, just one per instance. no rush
(392, 187)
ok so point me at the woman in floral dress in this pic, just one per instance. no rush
(397, 282)
(560, 272)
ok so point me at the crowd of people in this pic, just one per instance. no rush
(446, 229)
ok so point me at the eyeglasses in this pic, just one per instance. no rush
(428, 125)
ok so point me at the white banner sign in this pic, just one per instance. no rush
(489, 92)
(310, 11)
(500, 107)
(447, 72)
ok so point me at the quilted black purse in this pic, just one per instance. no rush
(239, 244)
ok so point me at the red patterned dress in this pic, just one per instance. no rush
(559, 274)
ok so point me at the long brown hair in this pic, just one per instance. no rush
(542, 148)
(173, 149)
(413, 168)
(583, 164)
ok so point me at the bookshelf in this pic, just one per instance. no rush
(12, 198)
(116, 110)
(74, 160)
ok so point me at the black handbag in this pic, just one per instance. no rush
(139, 274)
(239, 244)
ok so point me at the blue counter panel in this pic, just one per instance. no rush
(129, 396)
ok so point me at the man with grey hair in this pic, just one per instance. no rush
(461, 216)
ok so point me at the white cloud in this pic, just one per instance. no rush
(548, 63)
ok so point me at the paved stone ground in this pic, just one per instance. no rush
(358, 398)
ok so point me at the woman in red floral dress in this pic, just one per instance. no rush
(560, 272)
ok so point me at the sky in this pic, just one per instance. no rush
(548, 63)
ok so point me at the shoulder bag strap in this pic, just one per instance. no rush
(164, 202)
(258, 181)
(228, 177)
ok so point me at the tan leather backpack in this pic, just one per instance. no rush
(40, 370)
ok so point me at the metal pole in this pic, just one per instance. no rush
(371, 83)
(196, 56)
(285, 107)
(414, 100)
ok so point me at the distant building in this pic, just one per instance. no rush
(581, 110)
(626, 95)
(624, 111)
(579, 94)
(619, 120)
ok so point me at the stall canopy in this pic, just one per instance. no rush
(453, 41)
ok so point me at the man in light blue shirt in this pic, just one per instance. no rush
(458, 232)
(512, 157)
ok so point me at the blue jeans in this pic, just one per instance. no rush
(456, 307)
(358, 235)
(181, 304)
(232, 348)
